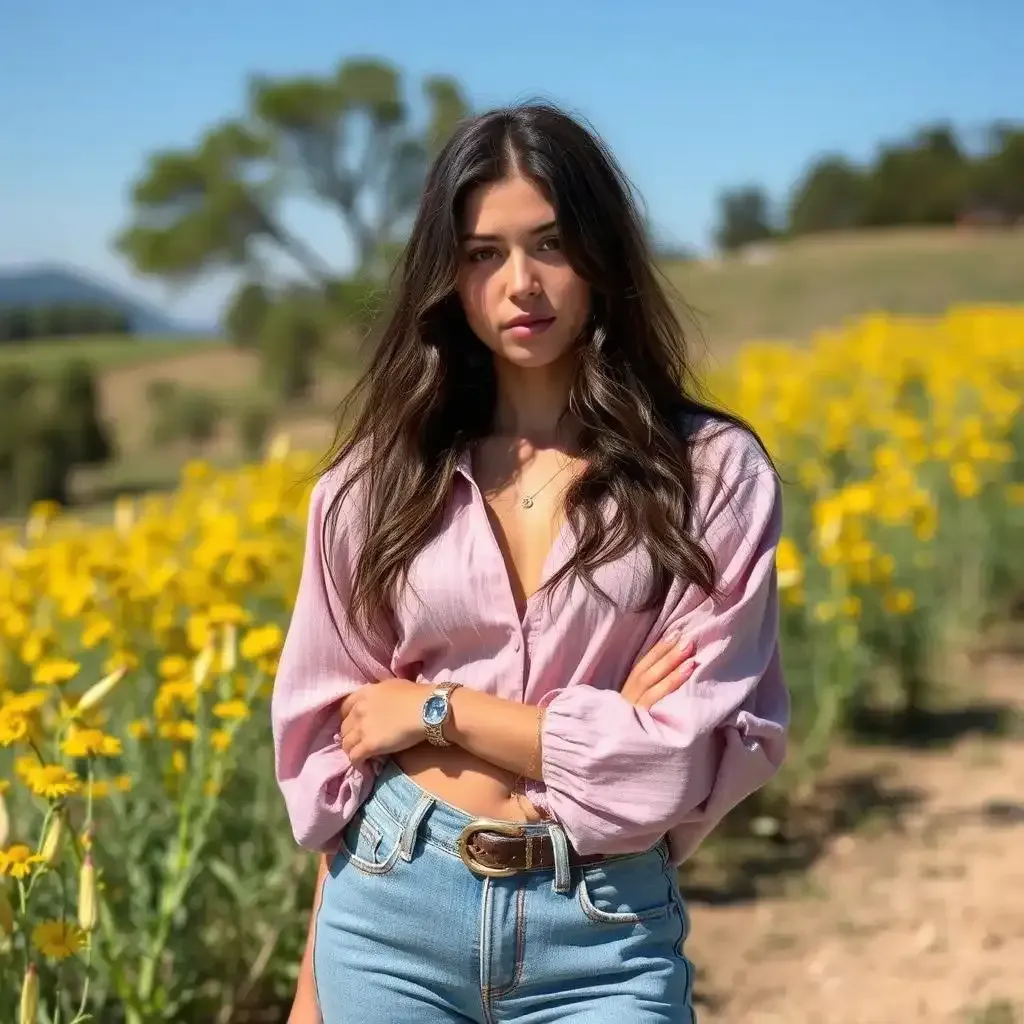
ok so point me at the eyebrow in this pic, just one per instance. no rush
(471, 237)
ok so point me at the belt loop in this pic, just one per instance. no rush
(560, 845)
(412, 826)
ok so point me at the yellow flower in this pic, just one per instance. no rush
(34, 647)
(98, 789)
(58, 939)
(172, 666)
(52, 781)
(899, 602)
(222, 614)
(183, 731)
(220, 739)
(54, 671)
(90, 743)
(18, 861)
(121, 660)
(140, 729)
(965, 479)
(27, 702)
(14, 726)
(787, 562)
(96, 632)
(231, 709)
(199, 632)
(261, 642)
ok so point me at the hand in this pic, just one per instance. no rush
(662, 670)
(382, 718)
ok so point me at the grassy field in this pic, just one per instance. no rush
(790, 291)
(105, 352)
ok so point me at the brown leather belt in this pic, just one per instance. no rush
(497, 849)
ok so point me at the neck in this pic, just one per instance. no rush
(532, 402)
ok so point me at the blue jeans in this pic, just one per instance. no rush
(408, 934)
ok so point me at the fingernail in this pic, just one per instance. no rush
(686, 646)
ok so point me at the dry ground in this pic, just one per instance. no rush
(915, 916)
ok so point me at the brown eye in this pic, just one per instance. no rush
(550, 244)
(479, 255)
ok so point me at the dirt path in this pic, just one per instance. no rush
(917, 915)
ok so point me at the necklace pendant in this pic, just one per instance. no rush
(526, 502)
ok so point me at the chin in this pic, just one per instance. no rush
(533, 357)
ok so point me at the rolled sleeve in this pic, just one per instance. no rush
(618, 777)
(323, 659)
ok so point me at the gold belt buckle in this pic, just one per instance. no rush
(504, 828)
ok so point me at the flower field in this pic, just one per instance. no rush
(147, 869)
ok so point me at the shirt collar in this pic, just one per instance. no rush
(465, 464)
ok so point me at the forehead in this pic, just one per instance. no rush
(510, 206)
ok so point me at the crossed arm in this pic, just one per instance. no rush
(386, 718)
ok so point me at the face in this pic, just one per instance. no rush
(520, 295)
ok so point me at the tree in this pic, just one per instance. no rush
(925, 181)
(289, 340)
(246, 313)
(998, 183)
(830, 197)
(744, 218)
(346, 139)
(77, 411)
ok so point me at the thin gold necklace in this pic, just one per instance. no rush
(526, 500)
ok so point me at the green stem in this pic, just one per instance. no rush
(188, 849)
(106, 932)
(81, 1015)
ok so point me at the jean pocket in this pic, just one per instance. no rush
(626, 891)
(369, 845)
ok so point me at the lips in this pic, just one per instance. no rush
(529, 322)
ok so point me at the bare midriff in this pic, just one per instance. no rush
(466, 782)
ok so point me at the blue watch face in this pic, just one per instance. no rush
(435, 709)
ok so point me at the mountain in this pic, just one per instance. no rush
(55, 285)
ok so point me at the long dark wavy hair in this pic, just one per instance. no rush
(429, 391)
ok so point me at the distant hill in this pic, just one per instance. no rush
(55, 285)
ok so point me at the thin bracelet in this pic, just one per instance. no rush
(520, 783)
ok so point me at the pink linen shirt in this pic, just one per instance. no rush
(616, 777)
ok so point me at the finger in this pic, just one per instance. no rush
(668, 685)
(349, 740)
(668, 663)
(665, 653)
(659, 650)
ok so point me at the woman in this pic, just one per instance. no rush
(480, 718)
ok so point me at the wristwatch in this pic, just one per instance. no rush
(437, 710)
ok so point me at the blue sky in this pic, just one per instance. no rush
(692, 97)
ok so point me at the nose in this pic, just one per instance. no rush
(522, 271)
